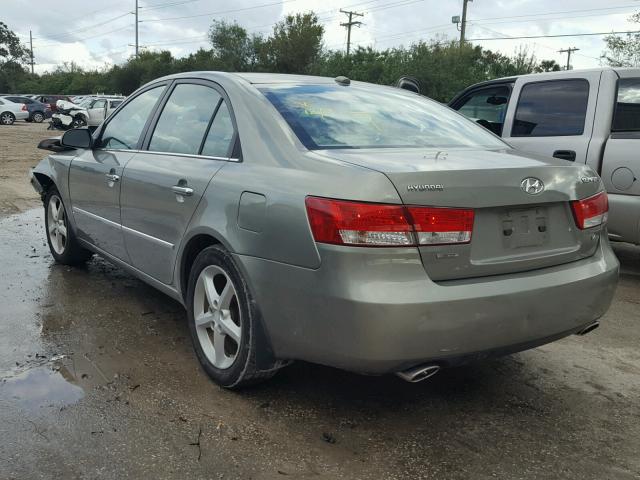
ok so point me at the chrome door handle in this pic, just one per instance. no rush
(111, 177)
(184, 191)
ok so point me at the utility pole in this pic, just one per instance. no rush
(350, 24)
(137, 22)
(31, 49)
(463, 25)
(568, 52)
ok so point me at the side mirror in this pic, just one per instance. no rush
(77, 138)
(52, 144)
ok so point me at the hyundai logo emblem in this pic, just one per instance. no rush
(532, 185)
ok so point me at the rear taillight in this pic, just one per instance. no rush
(24, 108)
(343, 222)
(436, 226)
(592, 211)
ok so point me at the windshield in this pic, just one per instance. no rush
(328, 116)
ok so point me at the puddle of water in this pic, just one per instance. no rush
(39, 388)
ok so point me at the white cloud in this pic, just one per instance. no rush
(93, 36)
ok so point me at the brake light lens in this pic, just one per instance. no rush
(437, 226)
(24, 108)
(343, 222)
(592, 211)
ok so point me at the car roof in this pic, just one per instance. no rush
(254, 78)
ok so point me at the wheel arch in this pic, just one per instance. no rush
(197, 242)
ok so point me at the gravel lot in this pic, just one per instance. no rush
(98, 380)
(18, 153)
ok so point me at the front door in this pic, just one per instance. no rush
(97, 112)
(164, 183)
(95, 175)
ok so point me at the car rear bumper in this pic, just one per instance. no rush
(21, 115)
(376, 311)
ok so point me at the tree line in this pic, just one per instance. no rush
(295, 45)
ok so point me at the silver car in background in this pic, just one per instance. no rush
(12, 111)
(347, 224)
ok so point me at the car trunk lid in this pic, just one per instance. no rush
(514, 230)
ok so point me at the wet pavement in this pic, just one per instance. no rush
(98, 380)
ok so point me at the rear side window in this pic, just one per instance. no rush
(548, 109)
(627, 115)
(220, 136)
(184, 119)
(124, 129)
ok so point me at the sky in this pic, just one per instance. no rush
(101, 33)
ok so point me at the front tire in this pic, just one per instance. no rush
(62, 241)
(7, 118)
(223, 321)
(38, 117)
(79, 122)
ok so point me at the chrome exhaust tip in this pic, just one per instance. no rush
(419, 373)
(589, 328)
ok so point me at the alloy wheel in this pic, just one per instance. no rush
(217, 316)
(38, 117)
(57, 224)
(6, 119)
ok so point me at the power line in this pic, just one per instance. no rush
(220, 12)
(557, 12)
(553, 36)
(535, 43)
(84, 29)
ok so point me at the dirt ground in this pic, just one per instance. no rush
(98, 380)
(18, 153)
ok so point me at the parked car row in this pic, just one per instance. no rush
(343, 223)
(92, 111)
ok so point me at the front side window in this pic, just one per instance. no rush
(487, 107)
(553, 108)
(124, 129)
(627, 115)
(333, 116)
(185, 119)
(98, 104)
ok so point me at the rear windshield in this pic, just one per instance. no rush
(328, 116)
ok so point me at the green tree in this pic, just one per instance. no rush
(233, 47)
(294, 46)
(12, 57)
(547, 66)
(623, 51)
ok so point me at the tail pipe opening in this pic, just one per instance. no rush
(419, 373)
(589, 328)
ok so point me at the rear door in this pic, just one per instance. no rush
(553, 115)
(192, 137)
(621, 162)
(95, 175)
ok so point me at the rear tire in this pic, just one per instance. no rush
(60, 236)
(223, 321)
(7, 118)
